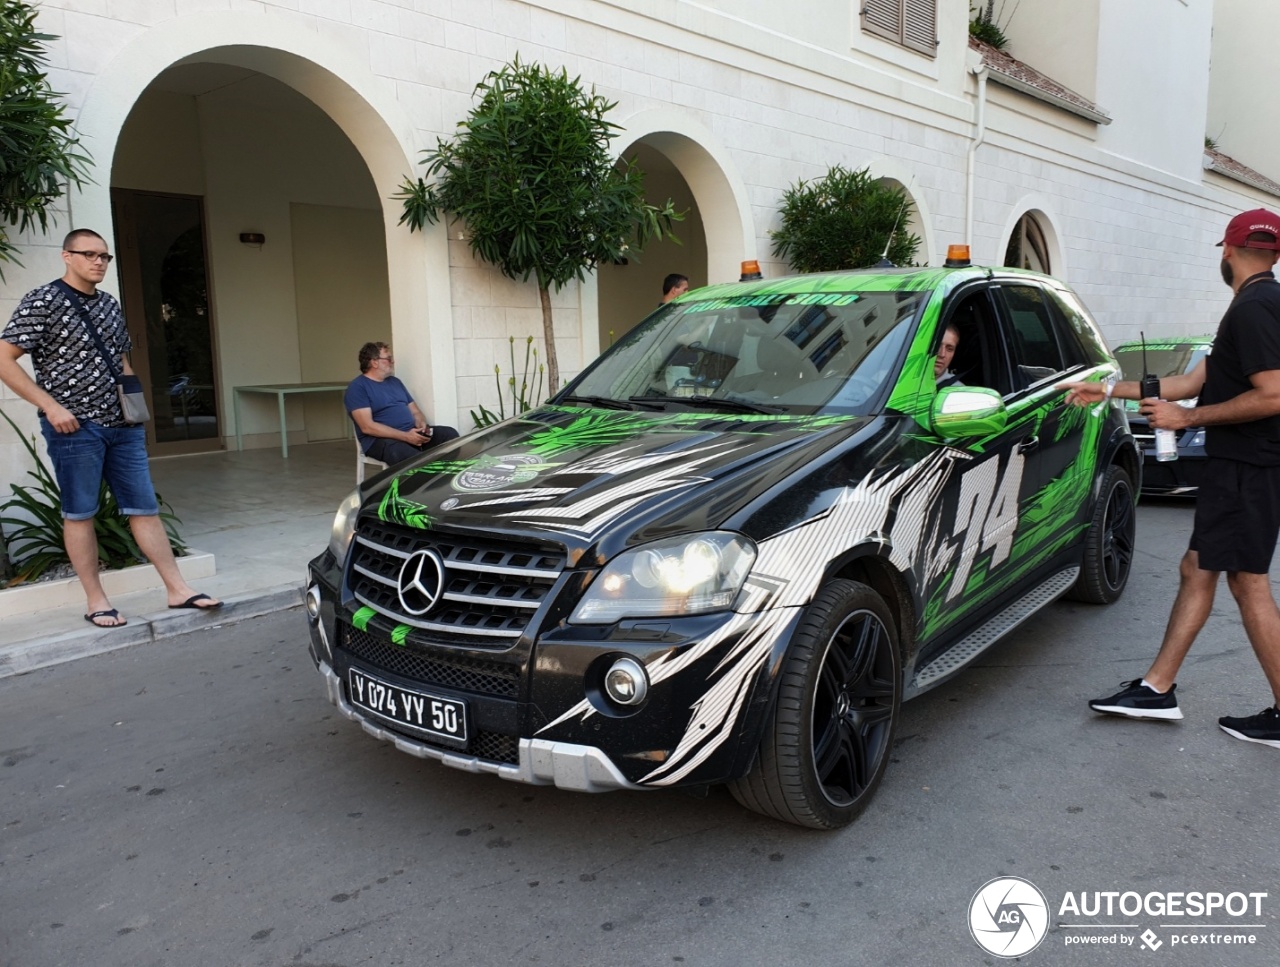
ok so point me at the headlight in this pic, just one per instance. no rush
(693, 574)
(344, 525)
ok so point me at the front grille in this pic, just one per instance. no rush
(489, 592)
(465, 674)
(498, 748)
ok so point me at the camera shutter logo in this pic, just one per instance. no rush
(421, 582)
(1008, 917)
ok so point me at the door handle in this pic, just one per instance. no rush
(1029, 444)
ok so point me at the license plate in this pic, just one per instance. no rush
(419, 711)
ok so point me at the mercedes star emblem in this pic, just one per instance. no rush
(421, 582)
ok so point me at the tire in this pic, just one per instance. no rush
(828, 738)
(1108, 546)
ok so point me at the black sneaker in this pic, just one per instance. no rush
(1263, 728)
(1138, 701)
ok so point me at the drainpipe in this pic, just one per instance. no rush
(979, 70)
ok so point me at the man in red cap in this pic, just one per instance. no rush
(1238, 505)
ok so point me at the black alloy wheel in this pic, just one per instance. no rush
(1109, 544)
(828, 739)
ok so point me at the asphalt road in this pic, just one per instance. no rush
(199, 802)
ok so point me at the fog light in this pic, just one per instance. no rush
(312, 602)
(626, 683)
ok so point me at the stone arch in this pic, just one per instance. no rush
(920, 223)
(1049, 244)
(682, 155)
(708, 168)
(358, 101)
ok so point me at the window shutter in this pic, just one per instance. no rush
(883, 17)
(919, 26)
(912, 23)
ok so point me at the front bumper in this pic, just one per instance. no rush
(542, 762)
(535, 708)
(1173, 477)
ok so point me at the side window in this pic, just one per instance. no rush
(1081, 324)
(912, 23)
(980, 358)
(1036, 353)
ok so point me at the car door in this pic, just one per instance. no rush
(976, 553)
(1062, 438)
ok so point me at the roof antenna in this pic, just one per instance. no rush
(884, 262)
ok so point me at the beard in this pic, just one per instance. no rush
(1228, 273)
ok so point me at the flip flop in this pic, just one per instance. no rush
(191, 603)
(109, 613)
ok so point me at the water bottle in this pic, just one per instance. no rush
(1166, 440)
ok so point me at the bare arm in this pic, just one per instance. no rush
(1181, 387)
(16, 378)
(363, 418)
(419, 418)
(1254, 404)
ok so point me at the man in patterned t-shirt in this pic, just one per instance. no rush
(83, 426)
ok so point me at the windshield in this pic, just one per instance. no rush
(828, 352)
(1164, 361)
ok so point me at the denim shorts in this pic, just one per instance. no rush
(93, 453)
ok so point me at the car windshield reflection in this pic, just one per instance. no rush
(830, 352)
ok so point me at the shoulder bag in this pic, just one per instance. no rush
(133, 404)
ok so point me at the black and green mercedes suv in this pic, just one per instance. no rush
(731, 548)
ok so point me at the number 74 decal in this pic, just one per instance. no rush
(987, 515)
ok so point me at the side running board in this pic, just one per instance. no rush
(983, 637)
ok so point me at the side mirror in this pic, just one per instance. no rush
(968, 411)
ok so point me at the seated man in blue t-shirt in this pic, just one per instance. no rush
(389, 424)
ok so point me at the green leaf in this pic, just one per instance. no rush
(38, 153)
(531, 177)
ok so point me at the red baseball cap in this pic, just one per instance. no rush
(1244, 224)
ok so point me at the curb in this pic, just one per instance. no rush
(27, 656)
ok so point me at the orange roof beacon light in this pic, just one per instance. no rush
(750, 271)
(957, 256)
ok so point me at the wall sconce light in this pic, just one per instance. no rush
(253, 238)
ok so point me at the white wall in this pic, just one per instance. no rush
(1242, 116)
(267, 147)
(1153, 79)
(1058, 39)
(339, 308)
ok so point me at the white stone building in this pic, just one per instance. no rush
(246, 154)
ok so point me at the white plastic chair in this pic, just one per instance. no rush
(362, 459)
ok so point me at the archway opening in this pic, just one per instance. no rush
(911, 220)
(1029, 246)
(252, 251)
(630, 290)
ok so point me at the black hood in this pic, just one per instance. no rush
(578, 475)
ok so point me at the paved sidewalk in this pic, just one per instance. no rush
(261, 516)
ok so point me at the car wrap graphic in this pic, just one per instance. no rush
(786, 574)
(587, 445)
(959, 563)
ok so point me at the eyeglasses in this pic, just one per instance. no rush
(102, 257)
(387, 359)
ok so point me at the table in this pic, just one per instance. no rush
(279, 391)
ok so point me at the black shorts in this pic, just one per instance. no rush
(1237, 517)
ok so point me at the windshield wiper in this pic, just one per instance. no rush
(604, 402)
(731, 403)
